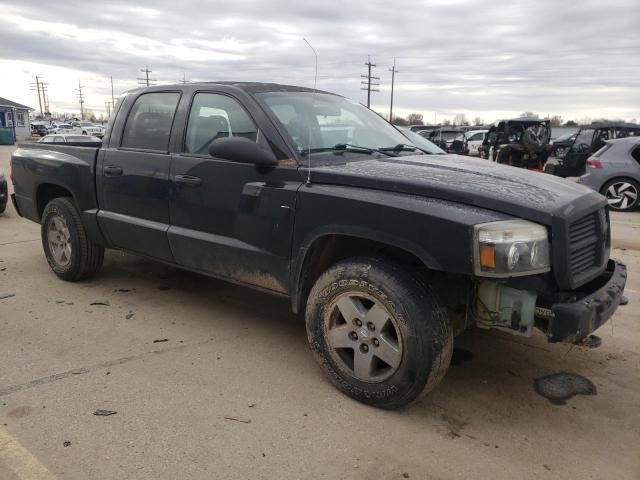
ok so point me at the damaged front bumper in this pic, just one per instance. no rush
(571, 322)
(517, 311)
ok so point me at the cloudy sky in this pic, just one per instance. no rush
(484, 58)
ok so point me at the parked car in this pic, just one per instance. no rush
(4, 193)
(589, 139)
(449, 139)
(69, 138)
(38, 129)
(62, 128)
(388, 252)
(520, 142)
(422, 128)
(88, 128)
(614, 171)
(563, 143)
(424, 145)
(473, 141)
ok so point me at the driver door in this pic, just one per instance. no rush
(230, 219)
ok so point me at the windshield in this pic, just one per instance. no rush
(422, 143)
(320, 122)
(583, 140)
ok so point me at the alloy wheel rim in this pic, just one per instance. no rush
(59, 240)
(621, 195)
(363, 337)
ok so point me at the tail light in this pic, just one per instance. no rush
(594, 163)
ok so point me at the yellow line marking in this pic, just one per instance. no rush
(20, 460)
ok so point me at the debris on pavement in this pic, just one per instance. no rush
(251, 405)
(66, 443)
(104, 413)
(161, 340)
(124, 290)
(238, 419)
(6, 295)
(129, 315)
(103, 303)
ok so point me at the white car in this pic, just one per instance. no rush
(88, 128)
(474, 140)
(62, 128)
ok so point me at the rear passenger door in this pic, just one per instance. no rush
(133, 177)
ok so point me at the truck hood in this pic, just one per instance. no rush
(514, 191)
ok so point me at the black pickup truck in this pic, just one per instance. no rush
(387, 250)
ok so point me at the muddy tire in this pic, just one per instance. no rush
(380, 335)
(69, 252)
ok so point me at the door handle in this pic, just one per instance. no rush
(112, 171)
(187, 179)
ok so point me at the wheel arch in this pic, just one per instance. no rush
(326, 247)
(47, 191)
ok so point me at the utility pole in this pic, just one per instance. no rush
(45, 98)
(146, 80)
(184, 79)
(81, 100)
(393, 77)
(368, 82)
(108, 104)
(36, 86)
(113, 102)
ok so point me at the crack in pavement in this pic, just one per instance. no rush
(111, 363)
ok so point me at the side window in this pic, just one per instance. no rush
(216, 116)
(47, 140)
(148, 125)
(636, 154)
(58, 140)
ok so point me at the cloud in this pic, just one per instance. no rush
(482, 58)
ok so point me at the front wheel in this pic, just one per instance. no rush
(380, 335)
(622, 194)
(70, 253)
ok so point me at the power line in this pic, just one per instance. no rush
(393, 78)
(146, 80)
(368, 82)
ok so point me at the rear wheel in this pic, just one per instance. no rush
(380, 335)
(622, 194)
(69, 252)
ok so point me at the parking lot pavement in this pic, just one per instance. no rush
(211, 380)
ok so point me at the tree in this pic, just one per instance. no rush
(460, 119)
(402, 122)
(529, 115)
(446, 123)
(556, 121)
(478, 121)
(415, 119)
(570, 123)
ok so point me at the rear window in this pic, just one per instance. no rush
(602, 150)
(149, 123)
(81, 138)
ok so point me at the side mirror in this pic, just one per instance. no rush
(240, 149)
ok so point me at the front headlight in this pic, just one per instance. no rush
(511, 248)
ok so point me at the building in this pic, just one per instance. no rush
(14, 121)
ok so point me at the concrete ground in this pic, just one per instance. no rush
(181, 358)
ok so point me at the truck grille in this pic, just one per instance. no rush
(588, 246)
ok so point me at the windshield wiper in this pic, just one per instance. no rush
(348, 147)
(401, 147)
